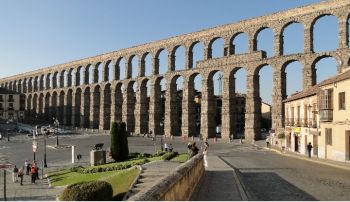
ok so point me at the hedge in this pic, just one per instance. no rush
(118, 166)
(169, 155)
(88, 191)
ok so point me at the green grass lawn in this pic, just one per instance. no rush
(181, 158)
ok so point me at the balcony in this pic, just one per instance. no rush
(312, 123)
(326, 115)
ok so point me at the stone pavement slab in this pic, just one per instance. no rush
(219, 183)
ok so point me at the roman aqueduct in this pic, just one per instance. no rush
(57, 91)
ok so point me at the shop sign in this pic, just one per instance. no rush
(296, 130)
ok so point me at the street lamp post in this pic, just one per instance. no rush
(45, 136)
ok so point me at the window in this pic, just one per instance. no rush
(1, 107)
(329, 136)
(341, 100)
(1, 99)
(325, 98)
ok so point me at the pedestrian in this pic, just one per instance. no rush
(166, 147)
(309, 148)
(26, 163)
(170, 147)
(267, 142)
(192, 149)
(33, 172)
(205, 152)
(20, 174)
(29, 166)
(15, 174)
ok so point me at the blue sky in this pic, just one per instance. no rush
(41, 33)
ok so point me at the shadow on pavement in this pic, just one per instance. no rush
(269, 186)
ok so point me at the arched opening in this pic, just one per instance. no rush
(25, 85)
(239, 80)
(54, 80)
(348, 31)
(29, 105)
(69, 78)
(41, 105)
(62, 79)
(48, 81)
(106, 116)
(134, 66)
(266, 87)
(147, 62)
(54, 104)
(118, 101)
(157, 106)
(35, 106)
(108, 71)
(36, 84)
(77, 107)
(142, 107)
(179, 58)
(217, 47)
(192, 116)
(19, 86)
(68, 108)
(47, 107)
(41, 83)
(96, 73)
(197, 53)
(129, 106)
(120, 69)
(325, 33)
(162, 56)
(265, 41)
(324, 67)
(85, 116)
(292, 78)
(96, 102)
(293, 38)
(240, 43)
(60, 114)
(86, 77)
(78, 74)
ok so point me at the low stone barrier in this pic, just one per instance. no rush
(179, 185)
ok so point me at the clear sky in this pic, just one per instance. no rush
(41, 33)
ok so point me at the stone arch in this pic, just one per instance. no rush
(133, 66)
(19, 85)
(95, 107)
(117, 102)
(146, 68)
(87, 74)
(193, 56)
(262, 44)
(216, 53)
(284, 77)
(69, 77)
(36, 84)
(77, 116)
(54, 80)
(47, 111)
(68, 107)
(240, 50)
(329, 38)
(61, 105)
(41, 105)
(54, 105)
(85, 108)
(178, 58)
(78, 76)
(41, 82)
(107, 75)
(106, 108)
(162, 64)
(62, 79)
(29, 103)
(129, 105)
(120, 69)
(35, 104)
(285, 37)
(47, 81)
(318, 59)
(96, 73)
(142, 107)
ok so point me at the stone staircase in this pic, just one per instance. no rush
(150, 175)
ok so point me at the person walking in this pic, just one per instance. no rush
(27, 167)
(309, 148)
(267, 142)
(15, 174)
(20, 175)
(33, 172)
(170, 147)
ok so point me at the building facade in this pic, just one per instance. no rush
(10, 106)
(320, 115)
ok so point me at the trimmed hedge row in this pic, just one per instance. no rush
(119, 166)
(88, 191)
(169, 155)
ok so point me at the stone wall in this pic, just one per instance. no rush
(179, 185)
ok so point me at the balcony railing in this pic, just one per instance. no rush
(312, 123)
(326, 115)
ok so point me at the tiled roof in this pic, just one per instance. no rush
(6, 91)
(339, 77)
(313, 90)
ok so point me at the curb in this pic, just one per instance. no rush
(306, 159)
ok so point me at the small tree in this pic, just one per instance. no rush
(115, 145)
(119, 141)
(123, 139)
